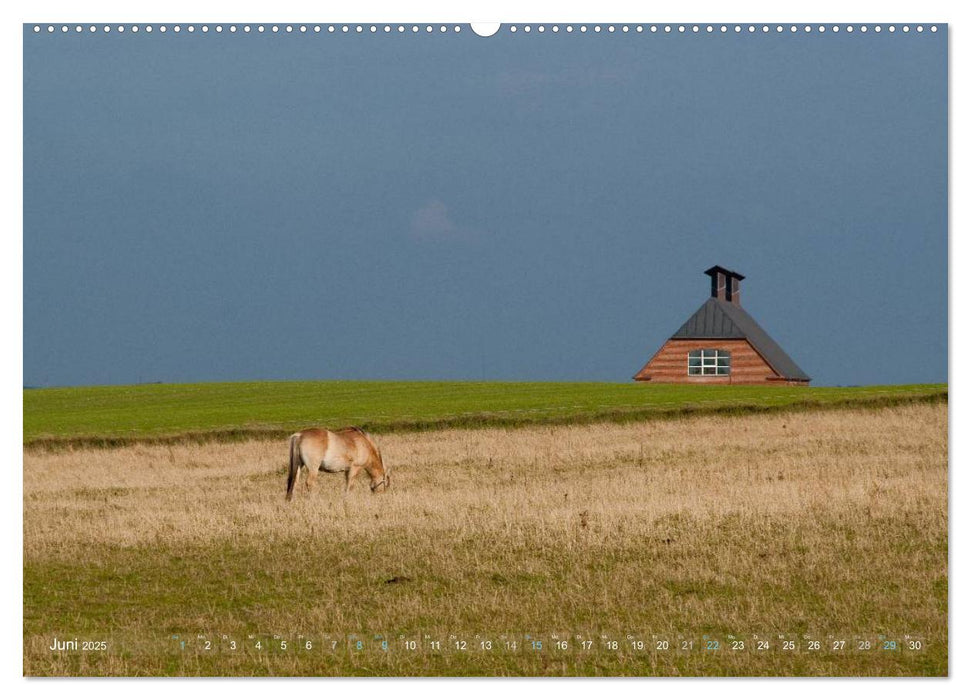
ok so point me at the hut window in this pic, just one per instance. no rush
(709, 362)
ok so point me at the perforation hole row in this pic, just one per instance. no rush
(512, 28)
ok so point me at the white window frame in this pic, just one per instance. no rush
(714, 362)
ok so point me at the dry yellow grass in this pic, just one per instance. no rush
(830, 523)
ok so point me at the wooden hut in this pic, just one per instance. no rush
(722, 344)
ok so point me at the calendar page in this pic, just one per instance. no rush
(518, 349)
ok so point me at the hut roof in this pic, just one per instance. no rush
(722, 319)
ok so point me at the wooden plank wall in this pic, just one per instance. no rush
(670, 364)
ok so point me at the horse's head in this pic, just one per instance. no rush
(380, 477)
(380, 483)
(379, 473)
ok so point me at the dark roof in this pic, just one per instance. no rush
(722, 319)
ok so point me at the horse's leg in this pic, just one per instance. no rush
(311, 478)
(351, 474)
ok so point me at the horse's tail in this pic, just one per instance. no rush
(294, 464)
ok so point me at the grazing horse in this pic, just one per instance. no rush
(347, 450)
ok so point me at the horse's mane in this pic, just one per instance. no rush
(370, 441)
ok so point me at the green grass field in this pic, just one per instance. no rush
(118, 414)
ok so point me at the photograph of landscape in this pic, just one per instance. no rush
(422, 350)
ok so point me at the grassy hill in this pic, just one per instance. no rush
(826, 526)
(110, 415)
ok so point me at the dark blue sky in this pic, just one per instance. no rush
(229, 206)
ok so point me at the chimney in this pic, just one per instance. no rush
(725, 284)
